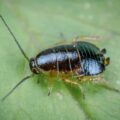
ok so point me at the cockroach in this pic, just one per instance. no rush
(79, 58)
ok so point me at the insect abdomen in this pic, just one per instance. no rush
(82, 57)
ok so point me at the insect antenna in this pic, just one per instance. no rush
(16, 41)
(18, 84)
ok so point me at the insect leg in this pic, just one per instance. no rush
(16, 41)
(62, 37)
(62, 40)
(76, 84)
(89, 38)
(70, 82)
(49, 90)
(85, 38)
(107, 85)
(51, 81)
(103, 83)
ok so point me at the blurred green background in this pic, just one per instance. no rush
(37, 24)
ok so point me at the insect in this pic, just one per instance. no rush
(79, 58)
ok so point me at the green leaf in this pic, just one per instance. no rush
(37, 25)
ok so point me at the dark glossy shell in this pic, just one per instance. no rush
(81, 57)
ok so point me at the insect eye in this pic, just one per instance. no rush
(32, 63)
(34, 70)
